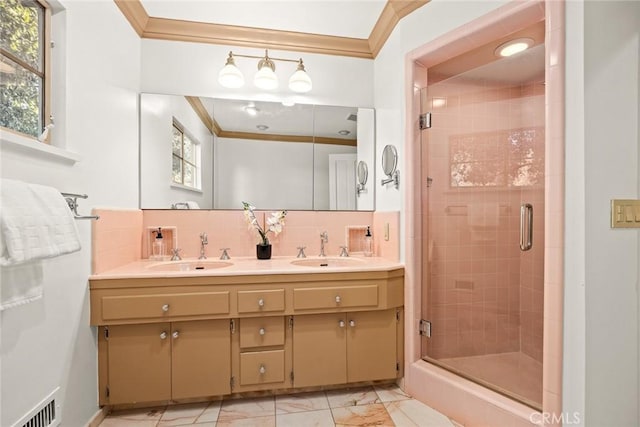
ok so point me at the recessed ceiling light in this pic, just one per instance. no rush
(251, 109)
(262, 127)
(514, 46)
(344, 132)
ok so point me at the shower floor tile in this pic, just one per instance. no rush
(513, 373)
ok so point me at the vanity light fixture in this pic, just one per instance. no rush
(231, 77)
(514, 46)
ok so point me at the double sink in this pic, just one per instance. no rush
(328, 262)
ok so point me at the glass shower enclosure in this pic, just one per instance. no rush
(483, 223)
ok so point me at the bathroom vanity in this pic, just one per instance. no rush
(174, 331)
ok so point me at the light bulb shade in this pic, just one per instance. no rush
(300, 81)
(266, 78)
(230, 76)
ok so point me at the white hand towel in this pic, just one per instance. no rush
(20, 284)
(35, 223)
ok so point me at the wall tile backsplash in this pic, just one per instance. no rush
(119, 238)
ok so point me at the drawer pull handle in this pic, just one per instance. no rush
(262, 370)
(352, 323)
(163, 335)
(341, 323)
(261, 302)
(176, 334)
(338, 299)
(262, 331)
(165, 308)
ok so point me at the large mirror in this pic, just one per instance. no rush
(209, 153)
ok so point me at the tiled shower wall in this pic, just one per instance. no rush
(485, 295)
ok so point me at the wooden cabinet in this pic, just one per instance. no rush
(139, 363)
(345, 347)
(182, 338)
(163, 361)
(201, 358)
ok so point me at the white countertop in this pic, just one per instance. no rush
(246, 266)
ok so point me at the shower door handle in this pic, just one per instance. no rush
(526, 226)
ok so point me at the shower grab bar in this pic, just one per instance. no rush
(526, 226)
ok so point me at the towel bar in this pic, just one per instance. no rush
(72, 201)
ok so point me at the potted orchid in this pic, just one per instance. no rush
(273, 224)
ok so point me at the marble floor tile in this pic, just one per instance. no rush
(363, 415)
(247, 408)
(182, 414)
(267, 421)
(286, 404)
(210, 414)
(390, 393)
(352, 397)
(147, 417)
(412, 413)
(321, 418)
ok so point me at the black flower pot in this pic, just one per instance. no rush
(263, 251)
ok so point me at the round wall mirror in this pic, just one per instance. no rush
(363, 172)
(389, 163)
(389, 160)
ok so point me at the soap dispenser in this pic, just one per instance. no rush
(368, 243)
(157, 247)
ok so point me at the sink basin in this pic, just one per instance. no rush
(327, 262)
(189, 265)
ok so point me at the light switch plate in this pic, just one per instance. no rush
(625, 213)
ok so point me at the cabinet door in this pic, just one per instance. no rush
(371, 345)
(201, 358)
(139, 360)
(319, 350)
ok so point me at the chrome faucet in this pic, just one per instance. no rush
(203, 241)
(324, 238)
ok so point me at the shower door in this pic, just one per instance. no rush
(483, 226)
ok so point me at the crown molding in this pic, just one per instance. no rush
(215, 129)
(178, 30)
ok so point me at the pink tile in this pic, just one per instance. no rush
(116, 238)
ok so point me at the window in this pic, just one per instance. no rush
(24, 64)
(505, 158)
(186, 158)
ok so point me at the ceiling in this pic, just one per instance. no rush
(296, 120)
(355, 18)
(355, 28)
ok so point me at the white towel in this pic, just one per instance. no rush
(20, 284)
(35, 223)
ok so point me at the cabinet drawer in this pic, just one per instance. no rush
(164, 305)
(261, 331)
(262, 367)
(319, 298)
(260, 301)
